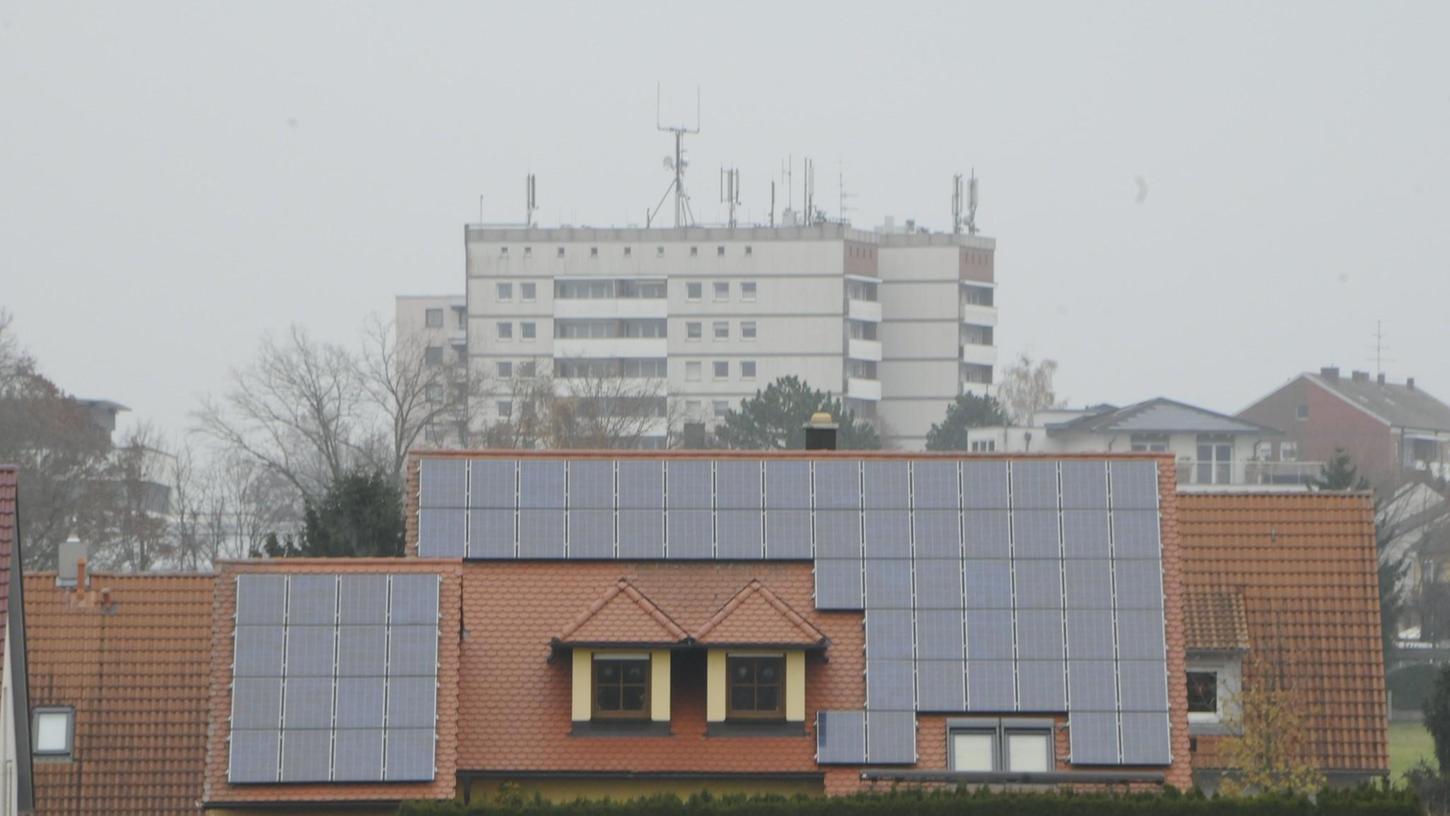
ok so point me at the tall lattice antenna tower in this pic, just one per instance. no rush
(730, 190)
(683, 216)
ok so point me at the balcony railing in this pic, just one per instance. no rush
(1250, 472)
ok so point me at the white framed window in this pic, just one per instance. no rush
(528, 252)
(693, 330)
(528, 292)
(1288, 451)
(694, 290)
(659, 252)
(559, 253)
(983, 445)
(1302, 412)
(433, 355)
(1148, 442)
(628, 251)
(722, 290)
(433, 318)
(505, 409)
(719, 251)
(721, 329)
(594, 252)
(1007, 745)
(722, 369)
(747, 369)
(694, 251)
(1213, 686)
(505, 330)
(529, 330)
(692, 370)
(749, 250)
(747, 330)
(692, 407)
(1215, 459)
(527, 368)
(504, 292)
(747, 291)
(720, 408)
(54, 731)
(505, 369)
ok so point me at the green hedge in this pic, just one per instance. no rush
(1366, 801)
(1410, 686)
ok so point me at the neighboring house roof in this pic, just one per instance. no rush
(1214, 621)
(622, 615)
(136, 670)
(1306, 568)
(12, 621)
(1397, 404)
(758, 617)
(1158, 415)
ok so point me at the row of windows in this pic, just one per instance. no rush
(609, 289)
(656, 407)
(719, 368)
(860, 290)
(720, 330)
(720, 291)
(754, 687)
(627, 251)
(596, 329)
(976, 335)
(718, 408)
(611, 367)
(528, 330)
(977, 295)
(433, 318)
(504, 292)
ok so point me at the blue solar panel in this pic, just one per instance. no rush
(641, 533)
(990, 686)
(1140, 634)
(491, 484)
(690, 534)
(840, 737)
(1085, 534)
(1090, 634)
(740, 534)
(738, 484)
(984, 485)
(411, 702)
(1139, 584)
(988, 533)
(310, 651)
(689, 496)
(989, 583)
(254, 756)
(362, 651)
(1089, 584)
(1041, 686)
(787, 516)
(1092, 685)
(1039, 634)
(989, 634)
(256, 703)
(1034, 534)
(939, 634)
(1084, 485)
(414, 599)
(888, 634)
(1093, 737)
(838, 534)
(939, 584)
(1034, 484)
(591, 509)
(1145, 738)
(938, 533)
(307, 703)
(934, 485)
(1144, 686)
(1134, 485)
(1038, 584)
(888, 583)
(442, 533)
(890, 685)
(312, 599)
(363, 599)
(887, 533)
(490, 533)
(888, 484)
(305, 755)
(259, 651)
(838, 584)
(443, 483)
(941, 685)
(891, 737)
(358, 755)
(361, 702)
(261, 599)
(838, 485)
(408, 754)
(1135, 534)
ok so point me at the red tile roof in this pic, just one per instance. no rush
(758, 617)
(1215, 621)
(623, 615)
(135, 668)
(1306, 568)
(9, 489)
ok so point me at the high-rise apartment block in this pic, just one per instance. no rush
(896, 323)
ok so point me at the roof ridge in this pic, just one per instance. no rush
(640, 601)
(756, 587)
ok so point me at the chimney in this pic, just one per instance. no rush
(821, 432)
(1329, 372)
(81, 574)
(694, 436)
(1359, 376)
(1380, 378)
(1410, 383)
(69, 557)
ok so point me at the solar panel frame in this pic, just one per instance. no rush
(311, 650)
(1144, 685)
(887, 484)
(1086, 534)
(307, 703)
(1035, 534)
(256, 703)
(1040, 634)
(358, 755)
(936, 533)
(443, 483)
(888, 583)
(837, 484)
(1084, 484)
(259, 651)
(1140, 634)
(1042, 685)
(886, 533)
(413, 650)
(1037, 583)
(591, 509)
(1089, 583)
(988, 583)
(411, 702)
(362, 650)
(413, 599)
(1092, 685)
(788, 522)
(935, 485)
(1034, 484)
(442, 532)
(941, 685)
(361, 702)
(837, 533)
(739, 534)
(1136, 534)
(1138, 583)
(362, 599)
(1134, 484)
(940, 634)
(989, 634)
(1145, 738)
(1090, 634)
(939, 584)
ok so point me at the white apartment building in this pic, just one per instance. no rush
(895, 323)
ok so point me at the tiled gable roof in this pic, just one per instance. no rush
(1214, 620)
(623, 615)
(1395, 403)
(136, 670)
(1159, 415)
(757, 616)
(8, 497)
(1306, 568)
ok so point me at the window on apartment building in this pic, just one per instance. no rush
(692, 408)
(559, 253)
(977, 295)
(694, 290)
(1203, 693)
(983, 445)
(1215, 459)
(527, 368)
(529, 330)
(747, 369)
(692, 370)
(749, 250)
(433, 318)
(1148, 442)
(747, 291)
(747, 330)
(528, 251)
(594, 252)
(433, 355)
(628, 251)
(755, 687)
(722, 290)
(721, 329)
(985, 746)
(659, 252)
(621, 687)
(722, 369)
(462, 314)
(721, 408)
(505, 330)
(693, 330)
(528, 292)
(694, 251)
(54, 731)
(505, 409)
(1288, 451)
(505, 369)
(861, 330)
(1302, 412)
(503, 252)
(719, 251)
(504, 291)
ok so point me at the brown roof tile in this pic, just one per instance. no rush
(623, 615)
(1304, 565)
(1215, 621)
(757, 616)
(135, 669)
(9, 489)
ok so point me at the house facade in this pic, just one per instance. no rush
(1393, 431)
(1209, 449)
(16, 789)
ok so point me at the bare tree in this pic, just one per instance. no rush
(298, 410)
(589, 409)
(410, 393)
(1026, 388)
(134, 532)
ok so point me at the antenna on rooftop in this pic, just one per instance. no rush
(730, 190)
(683, 216)
(957, 204)
(531, 202)
(841, 193)
(972, 203)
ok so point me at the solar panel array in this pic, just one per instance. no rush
(334, 678)
(988, 586)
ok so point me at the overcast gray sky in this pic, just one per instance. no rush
(178, 178)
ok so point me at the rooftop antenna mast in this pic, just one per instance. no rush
(730, 190)
(842, 194)
(972, 203)
(531, 202)
(683, 216)
(957, 204)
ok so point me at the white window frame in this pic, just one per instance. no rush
(720, 291)
(503, 292)
(1228, 673)
(750, 373)
(752, 334)
(528, 292)
(694, 331)
(694, 291)
(715, 369)
(505, 330)
(747, 291)
(720, 330)
(528, 330)
(429, 316)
